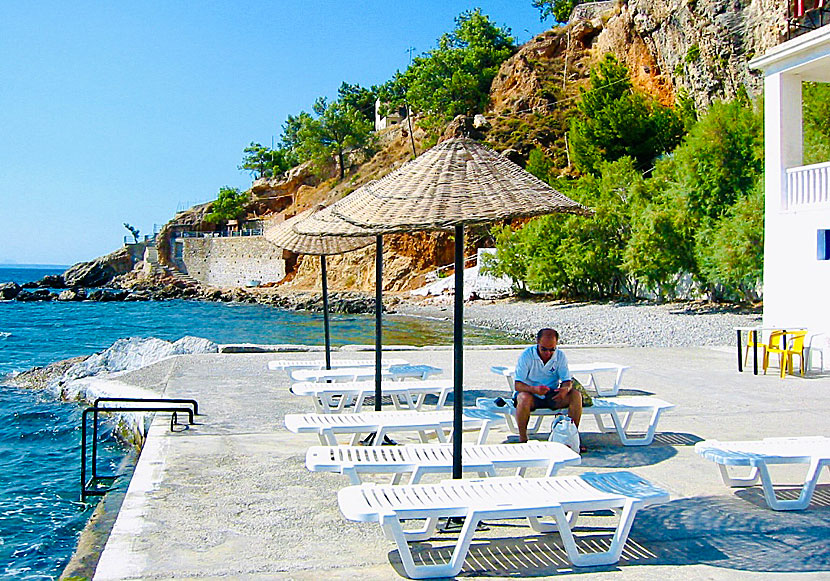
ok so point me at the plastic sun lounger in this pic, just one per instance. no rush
(496, 498)
(421, 459)
(620, 410)
(328, 426)
(292, 364)
(758, 455)
(394, 372)
(334, 397)
(589, 369)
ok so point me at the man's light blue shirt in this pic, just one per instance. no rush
(531, 371)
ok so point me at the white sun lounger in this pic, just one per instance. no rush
(332, 398)
(421, 459)
(395, 373)
(580, 369)
(620, 410)
(328, 426)
(758, 455)
(497, 498)
(291, 364)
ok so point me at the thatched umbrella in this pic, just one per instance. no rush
(285, 235)
(457, 182)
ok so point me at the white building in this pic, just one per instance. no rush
(797, 213)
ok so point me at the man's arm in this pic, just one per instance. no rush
(535, 389)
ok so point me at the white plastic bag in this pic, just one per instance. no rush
(564, 431)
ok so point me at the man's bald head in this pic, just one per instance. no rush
(547, 332)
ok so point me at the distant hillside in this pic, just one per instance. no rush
(697, 47)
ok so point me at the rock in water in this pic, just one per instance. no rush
(9, 290)
(52, 281)
(99, 271)
(191, 345)
(136, 352)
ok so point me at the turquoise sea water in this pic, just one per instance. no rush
(40, 518)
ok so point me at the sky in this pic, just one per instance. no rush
(114, 112)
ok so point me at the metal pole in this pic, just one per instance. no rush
(458, 353)
(378, 319)
(326, 330)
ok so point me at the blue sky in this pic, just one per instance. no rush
(114, 112)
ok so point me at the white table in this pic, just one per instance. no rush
(394, 373)
(589, 369)
(333, 398)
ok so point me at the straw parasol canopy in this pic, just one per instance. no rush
(458, 181)
(291, 236)
(287, 235)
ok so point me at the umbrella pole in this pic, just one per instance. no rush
(326, 329)
(458, 353)
(378, 318)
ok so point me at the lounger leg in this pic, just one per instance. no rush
(609, 557)
(601, 424)
(542, 527)
(803, 499)
(643, 440)
(392, 527)
(738, 481)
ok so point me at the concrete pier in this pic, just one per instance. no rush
(230, 498)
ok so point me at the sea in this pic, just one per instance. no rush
(41, 516)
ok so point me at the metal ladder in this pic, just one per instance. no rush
(98, 484)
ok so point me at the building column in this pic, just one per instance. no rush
(783, 134)
(784, 149)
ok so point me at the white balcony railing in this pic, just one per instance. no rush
(808, 186)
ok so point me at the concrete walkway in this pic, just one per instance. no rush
(230, 498)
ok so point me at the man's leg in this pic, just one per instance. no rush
(575, 406)
(524, 405)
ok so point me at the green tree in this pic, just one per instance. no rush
(720, 159)
(455, 78)
(816, 98)
(133, 230)
(559, 9)
(229, 205)
(264, 162)
(539, 165)
(615, 121)
(338, 129)
(730, 252)
(360, 98)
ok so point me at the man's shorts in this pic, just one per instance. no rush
(546, 402)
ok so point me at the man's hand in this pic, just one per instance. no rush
(540, 389)
(561, 395)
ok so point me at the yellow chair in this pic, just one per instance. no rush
(785, 353)
(750, 344)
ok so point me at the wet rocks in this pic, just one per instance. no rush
(9, 291)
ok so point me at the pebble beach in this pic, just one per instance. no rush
(600, 323)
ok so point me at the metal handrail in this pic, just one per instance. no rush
(91, 487)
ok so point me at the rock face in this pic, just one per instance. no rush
(700, 47)
(100, 271)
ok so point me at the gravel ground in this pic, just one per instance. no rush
(635, 324)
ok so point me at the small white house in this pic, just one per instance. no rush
(797, 212)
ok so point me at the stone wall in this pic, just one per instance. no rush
(233, 262)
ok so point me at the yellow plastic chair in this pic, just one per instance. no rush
(785, 353)
(751, 344)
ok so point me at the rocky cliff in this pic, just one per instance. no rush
(697, 47)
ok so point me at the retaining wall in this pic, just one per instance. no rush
(233, 262)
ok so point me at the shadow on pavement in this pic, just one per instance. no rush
(727, 533)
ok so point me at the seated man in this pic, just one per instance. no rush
(543, 380)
